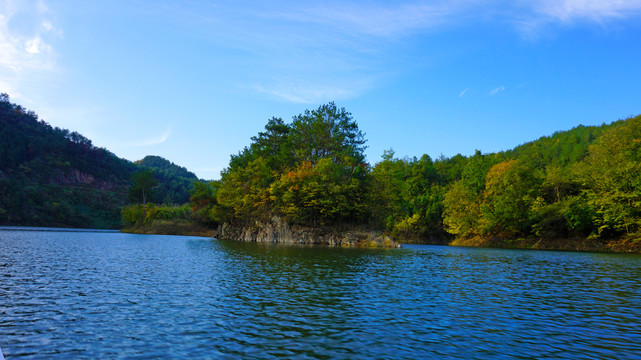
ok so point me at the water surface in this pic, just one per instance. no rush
(94, 295)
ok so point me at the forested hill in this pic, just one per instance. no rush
(581, 185)
(54, 177)
(174, 182)
(166, 166)
(562, 148)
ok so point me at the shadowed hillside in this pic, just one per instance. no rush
(54, 177)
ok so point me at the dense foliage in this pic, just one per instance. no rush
(53, 177)
(309, 172)
(174, 182)
(143, 214)
(582, 183)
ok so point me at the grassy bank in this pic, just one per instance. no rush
(567, 244)
(171, 227)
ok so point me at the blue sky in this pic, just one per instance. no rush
(193, 80)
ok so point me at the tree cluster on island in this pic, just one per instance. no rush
(579, 184)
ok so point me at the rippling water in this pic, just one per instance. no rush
(111, 295)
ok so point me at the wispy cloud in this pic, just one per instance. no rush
(309, 45)
(379, 20)
(305, 95)
(535, 17)
(26, 49)
(307, 52)
(406, 17)
(313, 91)
(462, 93)
(26, 53)
(596, 10)
(497, 90)
(157, 140)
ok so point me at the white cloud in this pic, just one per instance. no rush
(27, 58)
(361, 41)
(34, 45)
(48, 27)
(332, 51)
(497, 90)
(309, 93)
(596, 10)
(378, 19)
(462, 93)
(42, 7)
(305, 95)
(157, 140)
(536, 17)
(393, 19)
(17, 47)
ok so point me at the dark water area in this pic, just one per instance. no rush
(90, 295)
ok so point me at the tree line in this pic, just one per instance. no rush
(582, 183)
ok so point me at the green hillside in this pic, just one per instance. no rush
(174, 182)
(53, 177)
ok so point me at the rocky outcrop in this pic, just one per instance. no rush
(279, 231)
(74, 177)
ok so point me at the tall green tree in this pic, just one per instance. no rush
(143, 183)
(475, 171)
(274, 144)
(327, 132)
(387, 205)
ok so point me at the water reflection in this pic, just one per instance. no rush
(110, 295)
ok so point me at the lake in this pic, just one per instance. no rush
(89, 295)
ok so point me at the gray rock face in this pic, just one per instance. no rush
(75, 177)
(279, 231)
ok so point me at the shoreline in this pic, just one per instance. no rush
(617, 246)
(608, 246)
(171, 227)
(612, 246)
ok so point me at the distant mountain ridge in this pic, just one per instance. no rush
(174, 182)
(164, 165)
